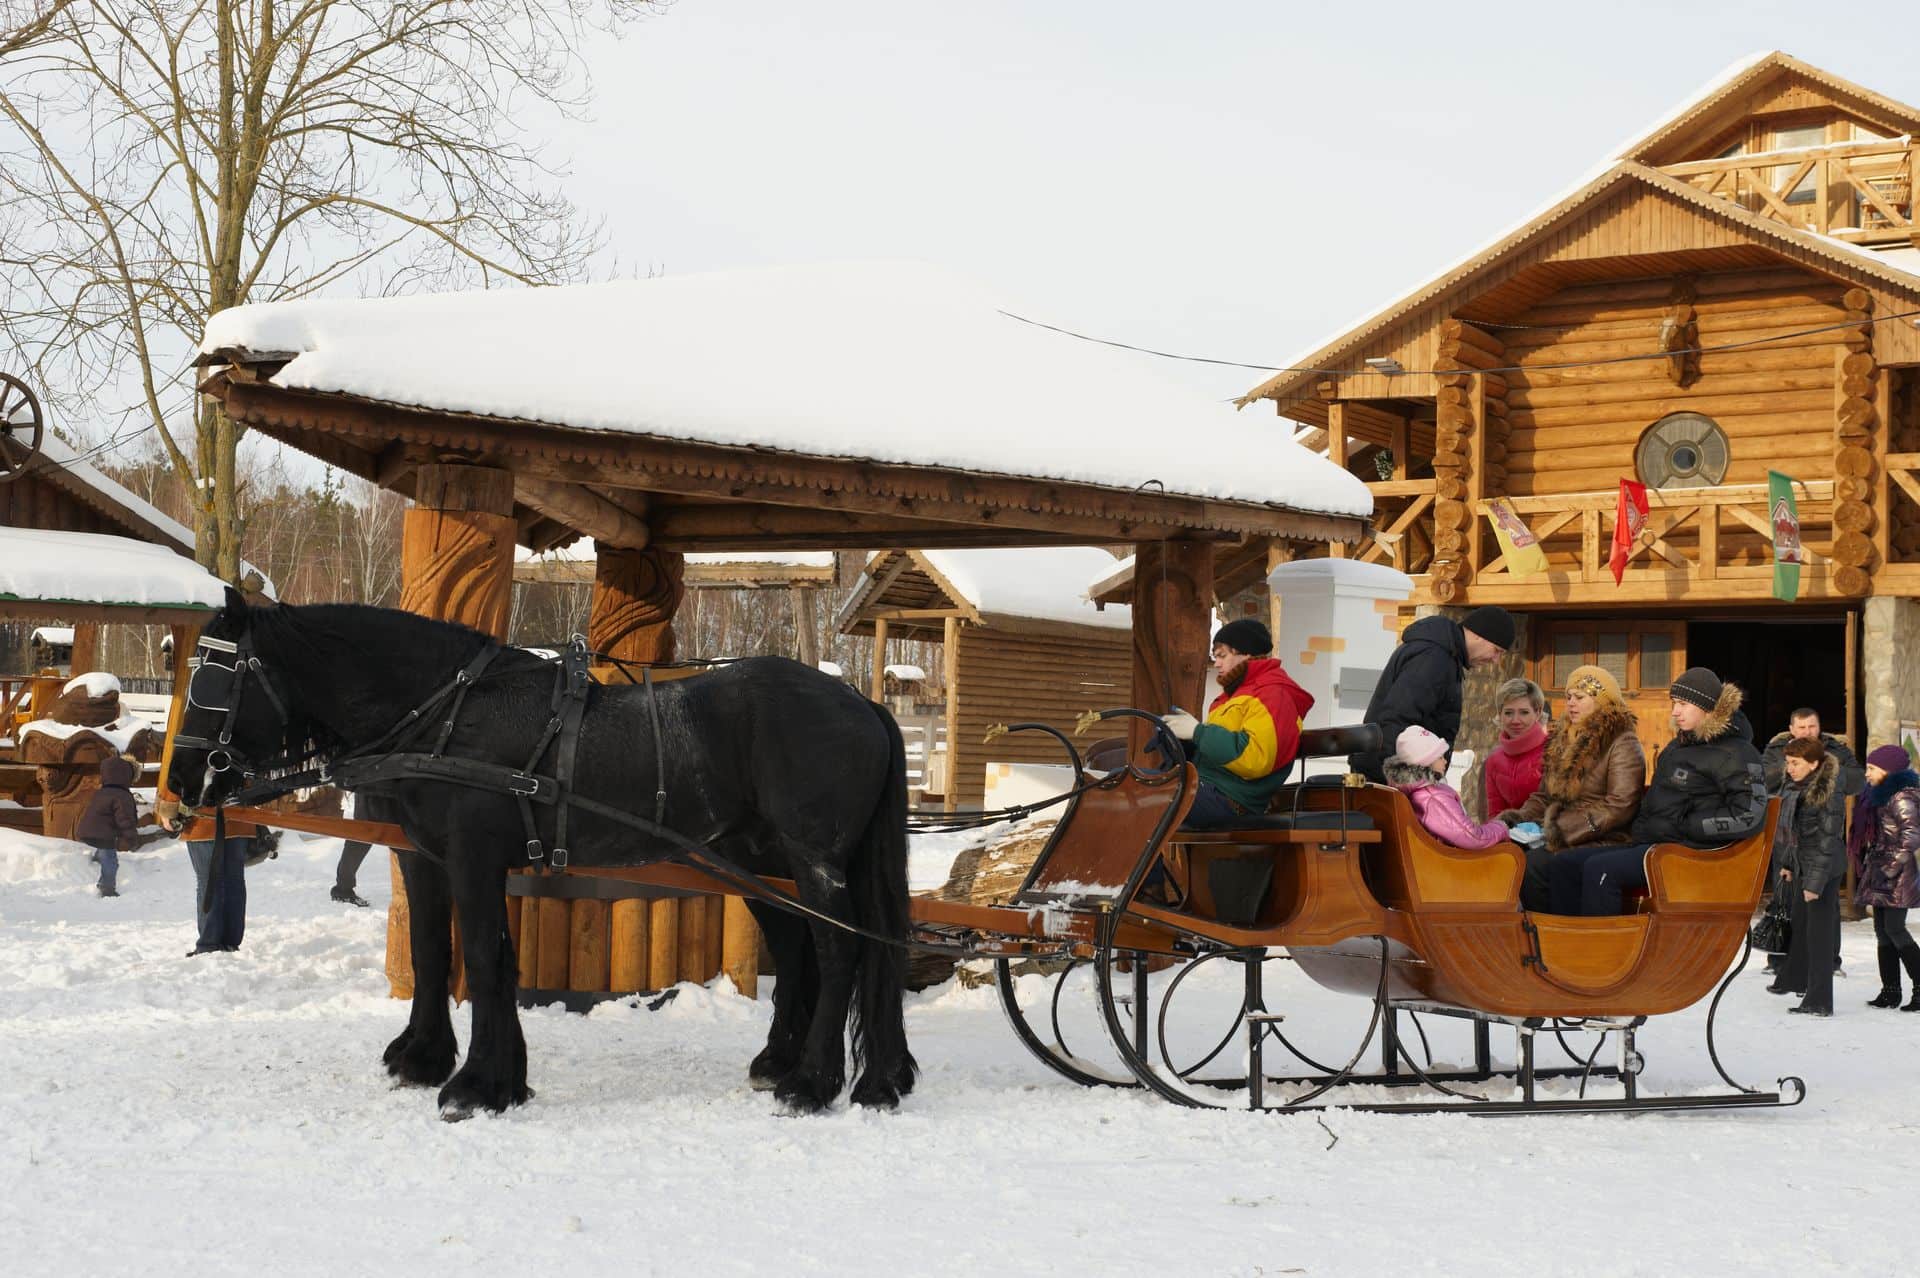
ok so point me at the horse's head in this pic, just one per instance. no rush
(235, 722)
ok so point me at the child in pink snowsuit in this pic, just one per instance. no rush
(1413, 771)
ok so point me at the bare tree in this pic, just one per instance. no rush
(163, 160)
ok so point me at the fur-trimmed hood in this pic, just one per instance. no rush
(1725, 717)
(1573, 748)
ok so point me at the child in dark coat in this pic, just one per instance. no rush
(110, 819)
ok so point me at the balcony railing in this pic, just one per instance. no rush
(1857, 191)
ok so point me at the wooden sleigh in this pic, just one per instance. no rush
(1346, 883)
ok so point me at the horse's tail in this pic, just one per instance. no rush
(878, 881)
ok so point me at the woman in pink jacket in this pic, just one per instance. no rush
(1413, 771)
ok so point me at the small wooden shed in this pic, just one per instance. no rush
(1020, 642)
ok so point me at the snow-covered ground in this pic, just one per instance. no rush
(227, 1114)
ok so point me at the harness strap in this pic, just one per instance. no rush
(659, 755)
(572, 686)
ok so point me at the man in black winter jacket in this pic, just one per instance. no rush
(1805, 722)
(1421, 683)
(1706, 792)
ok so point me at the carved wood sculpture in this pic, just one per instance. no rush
(83, 728)
(1173, 598)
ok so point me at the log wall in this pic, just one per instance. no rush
(1573, 429)
(1005, 676)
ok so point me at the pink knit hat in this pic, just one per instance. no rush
(1419, 747)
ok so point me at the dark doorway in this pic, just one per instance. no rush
(1782, 665)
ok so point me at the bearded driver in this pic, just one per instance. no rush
(1243, 750)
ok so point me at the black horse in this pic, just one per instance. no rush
(778, 768)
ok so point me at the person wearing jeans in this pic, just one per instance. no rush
(220, 911)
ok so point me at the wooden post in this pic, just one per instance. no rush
(86, 647)
(1336, 453)
(456, 564)
(950, 673)
(806, 625)
(740, 946)
(693, 938)
(877, 685)
(627, 945)
(663, 943)
(635, 594)
(1280, 552)
(1172, 615)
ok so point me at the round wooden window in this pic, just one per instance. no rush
(1682, 450)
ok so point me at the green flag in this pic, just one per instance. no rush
(1785, 517)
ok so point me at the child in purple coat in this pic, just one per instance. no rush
(1413, 770)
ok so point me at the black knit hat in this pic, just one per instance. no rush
(1493, 624)
(1245, 635)
(1697, 686)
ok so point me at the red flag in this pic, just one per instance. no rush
(1629, 518)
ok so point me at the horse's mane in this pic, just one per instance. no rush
(409, 649)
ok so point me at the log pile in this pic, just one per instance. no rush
(1472, 402)
(1856, 464)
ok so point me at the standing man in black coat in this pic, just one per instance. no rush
(1421, 684)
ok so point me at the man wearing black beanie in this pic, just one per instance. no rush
(1252, 728)
(1422, 680)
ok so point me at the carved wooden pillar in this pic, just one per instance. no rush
(1172, 624)
(635, 594)
(456, 564)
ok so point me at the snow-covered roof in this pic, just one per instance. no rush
(888, 362)
(59, 461)
(95, 568)
(1045, 583)
(56, 635)
(906, 673)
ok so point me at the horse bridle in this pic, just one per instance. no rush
(203, 694)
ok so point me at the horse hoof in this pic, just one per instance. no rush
(416, 1065)
(874, 1094)
(800, 1095)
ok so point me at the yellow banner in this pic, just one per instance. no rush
(1517, 542)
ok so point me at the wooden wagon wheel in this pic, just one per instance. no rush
(21, 425)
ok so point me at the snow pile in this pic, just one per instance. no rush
(98, 683)
(74, 567)
(1044, 584)
(119, 734)
(165, 1115)
(890, 362)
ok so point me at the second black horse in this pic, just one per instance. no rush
(773, 765)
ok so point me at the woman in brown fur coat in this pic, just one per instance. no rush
(1591, 779)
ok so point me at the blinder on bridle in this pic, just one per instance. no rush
(221, 687)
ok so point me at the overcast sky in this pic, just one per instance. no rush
(1221, 177)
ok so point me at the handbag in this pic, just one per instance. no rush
(1773, 932)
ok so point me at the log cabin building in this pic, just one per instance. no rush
(1735, 292)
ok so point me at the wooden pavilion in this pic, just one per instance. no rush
(1019, 642)
(867, 407)
(1737, 291)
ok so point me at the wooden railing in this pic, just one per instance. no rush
(1860, 191)
(1682, 549)
(1393, 543)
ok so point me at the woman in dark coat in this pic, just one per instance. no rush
(1809, 846)
(1882, 845)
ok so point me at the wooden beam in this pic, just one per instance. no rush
(950, 675)
(585, 511)
(877, 683)
(1028, 504)
(119, 614)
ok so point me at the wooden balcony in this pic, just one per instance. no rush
(1706, 545)
(1862, 192)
